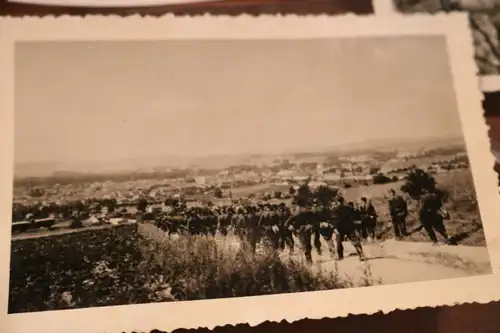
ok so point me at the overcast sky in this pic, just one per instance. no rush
(99, 101)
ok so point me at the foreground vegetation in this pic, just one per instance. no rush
(119, 266)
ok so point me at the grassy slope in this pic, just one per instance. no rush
(464, 223)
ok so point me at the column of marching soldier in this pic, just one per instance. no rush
(275, 225)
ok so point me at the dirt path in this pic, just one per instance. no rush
(392, 262)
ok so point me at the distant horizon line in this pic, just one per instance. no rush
(337, 148)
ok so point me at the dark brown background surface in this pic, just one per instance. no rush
(225, 7)
(470, 318)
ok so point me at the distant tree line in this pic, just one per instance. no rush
(81, 178)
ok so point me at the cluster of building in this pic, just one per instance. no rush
(346, 170)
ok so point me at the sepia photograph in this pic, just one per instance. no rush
(484, 18)
(201, 168)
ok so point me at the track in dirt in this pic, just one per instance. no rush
(390, 261)
(387, 265)
(393, 261)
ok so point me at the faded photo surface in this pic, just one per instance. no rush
(167, 171)
(484, 17)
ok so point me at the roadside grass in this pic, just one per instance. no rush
(193, 268)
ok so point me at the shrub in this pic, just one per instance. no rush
(416, 182)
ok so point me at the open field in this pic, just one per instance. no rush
(258, 189)
(116, 266)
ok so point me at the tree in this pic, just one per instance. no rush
(416, 182)
(142, 204)
(218, 193)
(325, 194)
(303, 195)
(292, 190)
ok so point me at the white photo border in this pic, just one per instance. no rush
(255, 310)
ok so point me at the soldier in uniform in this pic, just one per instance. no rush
(344, 218)
(431, 215)
(161, 222)
(398, 209)
(193, 221)
(210, 222)
(356, 219)
(368, 218)
(250, 230)
(302, 222)
(315, 216)
(224, 221)
(323, 228)
(286, 232)
(269, 226)
(238, 224)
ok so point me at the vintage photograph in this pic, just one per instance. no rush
(181, 169)
(484, 18)
(157, 176)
